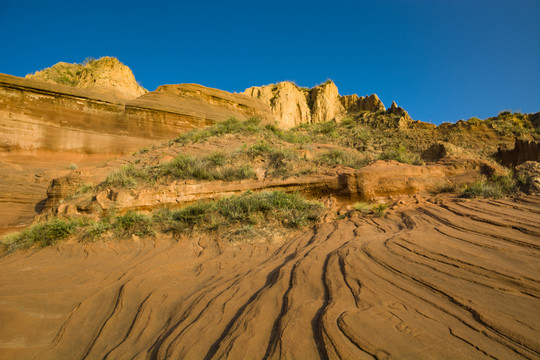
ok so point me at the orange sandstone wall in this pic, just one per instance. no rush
(40, 115)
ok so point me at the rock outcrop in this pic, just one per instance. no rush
(292, 105)
(457, 280)
(379, 180)
(524, 150)
(288, 102)
(354, 103)
(42, 115)
(106, 75)
(325, 103)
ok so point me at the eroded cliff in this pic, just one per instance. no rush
(47, 116)
(292, 105)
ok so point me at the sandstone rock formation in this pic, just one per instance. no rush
(325, 103)
(292, 105)
(457, 280)
(46, 126)
(378, 181)
(353, 103)
(524, 150)
(288, 102)
(41, 115)
(106, 75)
(201, 102)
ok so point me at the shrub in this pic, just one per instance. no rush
(132, 223)
(367, 208)
(340, 157)
(289, 210)
(445, 187)
(278, 159)
(96, 229)
(380, 209)
(213, 167)
(127, 176)
(44, 234)
(327, 128)
(291, 136)
(496, 187)
(400, 153)
(229, 126)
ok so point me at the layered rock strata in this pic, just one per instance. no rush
(39, 115)
(379, 180)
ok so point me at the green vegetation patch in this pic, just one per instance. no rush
(497, 186)
(44, 234)
(349, 158)
(269, 207)
(279, 160)
(213, 167)
(368, 208)
(229, 126)
(402, 155)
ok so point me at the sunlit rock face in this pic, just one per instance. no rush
(292, 105)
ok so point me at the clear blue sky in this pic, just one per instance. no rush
(442, 60)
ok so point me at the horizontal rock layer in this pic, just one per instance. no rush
(380, 180)
(40, 115)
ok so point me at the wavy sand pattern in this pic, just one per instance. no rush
(451, 281)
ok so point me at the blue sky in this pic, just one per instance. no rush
(442, 60)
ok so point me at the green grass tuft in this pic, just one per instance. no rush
(497, 186)
(127, 176)
(401, 154)
(350, 158)
(43, 234)
(132, 223)
(289, 210)
(367, 208)
(229, 126)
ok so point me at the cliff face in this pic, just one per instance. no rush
(106, 75)
(288, 102)
(292, 105)
(41, 115)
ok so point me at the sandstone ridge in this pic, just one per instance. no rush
(38, 115)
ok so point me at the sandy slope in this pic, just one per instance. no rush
(451, 281)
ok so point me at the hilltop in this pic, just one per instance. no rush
(106, 75)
